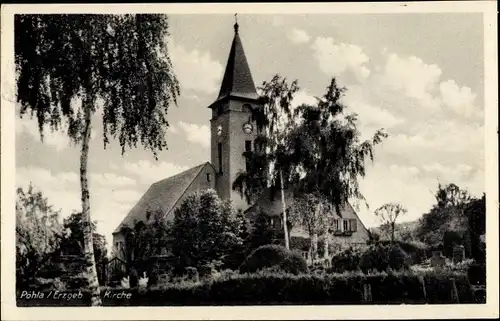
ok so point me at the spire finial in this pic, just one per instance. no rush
(236, 23)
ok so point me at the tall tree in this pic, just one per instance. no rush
(206, 231)
(324, 152)
(448, 213)
(451, 195)
(314, 148)
(388, 214)
(272, 121)
(476, 215)
(67, 63)
(38, 234)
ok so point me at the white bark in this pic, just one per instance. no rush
(88, 243)
(285, 225)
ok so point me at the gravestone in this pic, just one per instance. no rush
(367, 292)
(458, 254)
(73, 272)
(437, 259)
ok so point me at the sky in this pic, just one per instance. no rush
(418, 76)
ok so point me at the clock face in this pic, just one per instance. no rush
(219, 130)
(247, 128)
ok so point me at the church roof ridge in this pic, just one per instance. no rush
(162, 195)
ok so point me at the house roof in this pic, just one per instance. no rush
(237, 80)
(162, 196)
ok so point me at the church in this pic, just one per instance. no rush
(232, 133)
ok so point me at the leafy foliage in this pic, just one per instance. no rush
(475, 212)
(262, 232)
(451, 214)
(206, 230)
(377, 257)
(324, 153)
(274, 257)
(317, 147)
(121, 59)
(38, 234)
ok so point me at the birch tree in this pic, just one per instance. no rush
(65, 64)
(388, 214)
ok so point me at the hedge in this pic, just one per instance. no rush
(267, 288)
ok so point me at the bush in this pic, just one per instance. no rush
(348, 260)
(398, 259)
(274, 256)
(417, 251)
(377, 257)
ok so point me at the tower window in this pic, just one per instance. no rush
(248, 145)
(248, 148)
(219, 147)
(208, 177)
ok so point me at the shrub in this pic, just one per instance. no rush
(348, 260)
(417, 251)
(450, 240)
(294, 263)
(398, 259)
(377, 257)
(274, 256)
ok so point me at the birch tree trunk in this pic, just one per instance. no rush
(326, 245)
(314, 246)
(88, 244)
(285, 225)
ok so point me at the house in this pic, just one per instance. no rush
(232, 133)
(347, 230)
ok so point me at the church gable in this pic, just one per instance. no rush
(163, 196)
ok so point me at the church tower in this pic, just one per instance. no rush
(232, 130)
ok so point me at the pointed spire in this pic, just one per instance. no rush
(237, 80)
(236, 26)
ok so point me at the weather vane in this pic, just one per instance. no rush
(236, 23)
